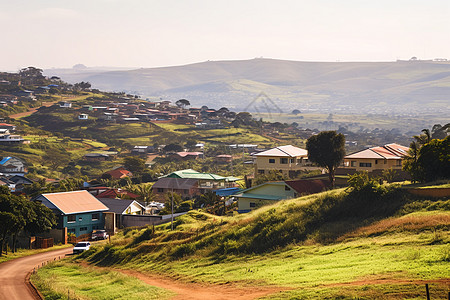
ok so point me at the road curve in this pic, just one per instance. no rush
(13, 273)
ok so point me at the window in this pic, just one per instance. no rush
(80, 219)
(71, 230)
(271, 160)
(71, 219)
(385, 161)
(291, 161)
(260, 171)
(376, 161)
(252, 204)
(353, 163)
(160, 190)
(365, 165)
(398, 163)
(95, 217)
(283, 160)
(83, 228)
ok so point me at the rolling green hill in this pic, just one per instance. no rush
(362, 87)
(379, 242)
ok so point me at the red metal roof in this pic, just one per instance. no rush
(389, 151)
(308, 186)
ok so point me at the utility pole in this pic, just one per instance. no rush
(171, 225)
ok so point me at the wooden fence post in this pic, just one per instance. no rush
(428, 291)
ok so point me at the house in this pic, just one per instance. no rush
(223, 159)
(7, 126)
(78, 211)
(65, 104)
(96, 157)
(118, 208)
(7, 138)
(83, 117)
(244, 147)
(20, 182)
(375, 160)
(187, 155)
(187, 188)
(206, 181)
(269, 192)
(119, 173)
(142, 150)
(116, 193)
(288, 159)
(8, 183)
(12, 166)
(123, 206)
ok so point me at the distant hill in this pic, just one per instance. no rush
(368, 87)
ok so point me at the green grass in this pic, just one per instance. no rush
(380, 243)
(60, 279)
(26, 252)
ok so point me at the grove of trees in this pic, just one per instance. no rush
(19, 214)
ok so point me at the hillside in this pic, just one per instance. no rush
(377, 242)
(361, 87)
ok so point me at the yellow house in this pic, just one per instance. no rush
(288, 159)
(380, 158)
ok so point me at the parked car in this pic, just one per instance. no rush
(81, 246)
(99, 235)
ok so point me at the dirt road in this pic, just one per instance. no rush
(31, 110)
(196, 291)
(13, 274)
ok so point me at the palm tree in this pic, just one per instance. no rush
(410, 161)
(144, 191)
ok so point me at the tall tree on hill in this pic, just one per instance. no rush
(183, 103)
(327, 150)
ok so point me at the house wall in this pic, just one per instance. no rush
(248, 204)
(262, 163)
(362, 164)
(279, 190)
(83, 223)
(134, 209)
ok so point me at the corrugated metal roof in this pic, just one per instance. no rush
(175, 183)
(192, 174)
(284, 151)
(75, 202)
(4, 160)
(389, 151)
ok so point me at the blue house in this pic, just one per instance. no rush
(79, 211)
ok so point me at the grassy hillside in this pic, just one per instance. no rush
(375, 243)
(330, 86)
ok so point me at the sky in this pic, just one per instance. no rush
(156, 33)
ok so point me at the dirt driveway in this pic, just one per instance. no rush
(13, 273)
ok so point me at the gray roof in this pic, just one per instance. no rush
(175, 183)
(117, 206)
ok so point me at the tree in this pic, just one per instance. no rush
(134, 164)
(433, 162)
(144, 191)
(32, 75)
(327, 150)
(410, 161)
(173, 148)
(57, 158)
(182, 103)
(296, 112)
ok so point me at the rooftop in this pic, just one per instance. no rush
(75, 202)
(284, 151)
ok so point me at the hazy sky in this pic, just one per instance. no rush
(150, 33)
